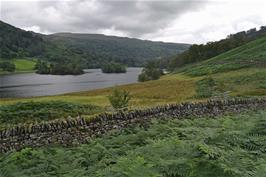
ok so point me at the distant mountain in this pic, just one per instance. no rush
(15, 42)
(92, 50)
(100, 48)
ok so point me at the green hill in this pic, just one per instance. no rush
(238, 72)
(250, 55)
(90, 50)
(15, 42)
(100, 48)
(197, 53)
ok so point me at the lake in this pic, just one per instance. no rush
(31, 84)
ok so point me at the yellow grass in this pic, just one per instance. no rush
(172, 88)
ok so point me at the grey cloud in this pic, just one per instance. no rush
(134, 18)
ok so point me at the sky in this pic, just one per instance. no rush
(180, 21)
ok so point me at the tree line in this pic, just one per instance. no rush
(43, 67)
(113, 67)
(7, 66)
(201, 52)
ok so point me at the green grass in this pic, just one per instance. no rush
(231, 146)
(23, 65)
(32, 112)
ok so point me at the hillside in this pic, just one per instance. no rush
(15, 42)
(90, 50)
(101, 48)
(200, 52)
(250, 55)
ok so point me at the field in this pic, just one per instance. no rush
(23, 65)
(226, 146)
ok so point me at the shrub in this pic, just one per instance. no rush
(119, 99)
(205, 88)
(8, 66)
(150, 72)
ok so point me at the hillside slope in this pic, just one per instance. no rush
(201, 52)
(250, 55)
(92, 50)
(100, 48)
(15, 42)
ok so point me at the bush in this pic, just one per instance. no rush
(205, 88)
(8, 66)
(119, 99)
(150, 72)
(44, 67)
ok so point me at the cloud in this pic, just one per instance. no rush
(133, 17)
(214, 22)
(191, 21)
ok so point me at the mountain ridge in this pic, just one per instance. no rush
(91, 50)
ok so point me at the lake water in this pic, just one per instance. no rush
(31, 84)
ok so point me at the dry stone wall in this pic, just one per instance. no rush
(71, 132)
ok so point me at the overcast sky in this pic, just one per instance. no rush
(186, 21)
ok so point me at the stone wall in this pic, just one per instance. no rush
(71, 132)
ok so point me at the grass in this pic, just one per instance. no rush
(169, 89)
(32, 112)
(23, 65)
(231, 146)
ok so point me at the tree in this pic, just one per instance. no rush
(8, 66)
(113, 68)
(151, 71)
(119, 99)
(73, 68)
(42, 67)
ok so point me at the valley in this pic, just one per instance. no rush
(198, 112)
